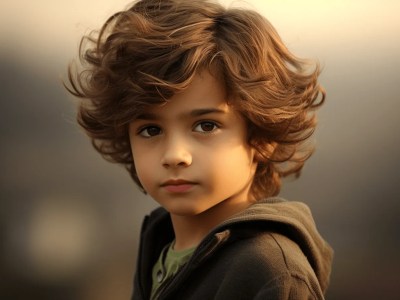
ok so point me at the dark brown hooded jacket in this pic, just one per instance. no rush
(271, 250)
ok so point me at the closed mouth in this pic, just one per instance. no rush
(173, 182)
(178, 186)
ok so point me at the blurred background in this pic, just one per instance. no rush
(69, 221)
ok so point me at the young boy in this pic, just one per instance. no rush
(208, 110)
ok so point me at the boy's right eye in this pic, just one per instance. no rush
(150, 131)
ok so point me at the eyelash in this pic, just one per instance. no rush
(215, 126)
(143, 131)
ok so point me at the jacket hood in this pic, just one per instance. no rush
(294, 220)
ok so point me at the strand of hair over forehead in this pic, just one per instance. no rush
(160, 36)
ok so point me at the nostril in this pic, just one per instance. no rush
(177, 159)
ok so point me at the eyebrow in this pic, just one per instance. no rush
(205, 111)
(146, 116)
(194, 113)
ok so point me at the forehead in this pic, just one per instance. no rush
(205, 94)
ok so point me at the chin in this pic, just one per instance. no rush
(185, 211)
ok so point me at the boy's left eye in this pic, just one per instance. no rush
(206, 126)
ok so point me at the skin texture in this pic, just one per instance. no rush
(192, 157)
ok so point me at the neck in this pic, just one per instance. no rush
(192, 229)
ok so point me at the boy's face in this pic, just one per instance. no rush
(191, 154)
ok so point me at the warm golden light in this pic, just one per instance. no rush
(62, 206)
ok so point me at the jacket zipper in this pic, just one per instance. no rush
(168, 286)
(140, 260)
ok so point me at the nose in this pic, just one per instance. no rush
(176, 153)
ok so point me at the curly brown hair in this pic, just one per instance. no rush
(145, 54)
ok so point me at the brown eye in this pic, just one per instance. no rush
(150, 131)
(206, 126)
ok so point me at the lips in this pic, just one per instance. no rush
(178, 185)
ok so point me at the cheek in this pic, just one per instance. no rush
(143, 165)
(233, 165)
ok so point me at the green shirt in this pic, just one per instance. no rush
(168, 264)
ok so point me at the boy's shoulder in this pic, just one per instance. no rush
(268, 260)
(279, 238)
